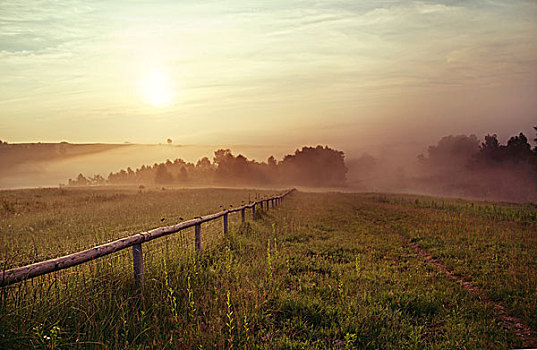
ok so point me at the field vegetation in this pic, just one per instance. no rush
(46, 223)
(322, 271)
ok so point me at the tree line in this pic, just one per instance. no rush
(310, 166)
(467, 152)
(465, 165)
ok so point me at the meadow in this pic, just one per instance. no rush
(45, 223)
(322, 271)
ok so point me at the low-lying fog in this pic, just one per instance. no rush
(50, 171)
(456, 166)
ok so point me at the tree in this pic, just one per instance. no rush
(204, 163)
(162, 176)
(271, 161)
(231, 169)
(97, 180)
(490, 149)
(311, 166)
(315, 166)
(452, 151)
(79, 181)
(535, 140)
(183, 174)
(518, 149)
(169, 141)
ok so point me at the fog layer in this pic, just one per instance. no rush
(456, 166)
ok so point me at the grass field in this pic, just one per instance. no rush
(324, 270)
(46, 223)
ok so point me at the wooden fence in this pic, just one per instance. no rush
(135, 241)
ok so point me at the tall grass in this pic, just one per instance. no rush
(323, 271)
(40, 224)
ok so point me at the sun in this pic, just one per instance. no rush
(157, 89)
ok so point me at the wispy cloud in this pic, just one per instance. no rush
(280, 62)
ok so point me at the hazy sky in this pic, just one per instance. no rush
(344, 73)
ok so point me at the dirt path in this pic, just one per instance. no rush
(512, 323)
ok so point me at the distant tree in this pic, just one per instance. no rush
(518, 149)
(490, 149)
(495, 171)
(80, 180)
(231, 169)
(311, 166)
(162, 176)
(97, 180)
(169, 141)
(183, 174)
(534, 140)
(315, 166)
(221, 156)
(452, 151)
(223, 159)
(271, 161)
(204, 163)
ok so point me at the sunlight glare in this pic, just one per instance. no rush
(157, 89)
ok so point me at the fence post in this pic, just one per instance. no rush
(261, 202)
(197, 233)
(226, 232)
(242, 215)
(253, 211)
(272, 202)
(138, 265)
(267, 204)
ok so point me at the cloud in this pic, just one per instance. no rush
(282, 61)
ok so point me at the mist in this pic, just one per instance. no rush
(467, 166)
(463, 166)
(23, 166)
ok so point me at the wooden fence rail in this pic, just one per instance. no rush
(19, 274)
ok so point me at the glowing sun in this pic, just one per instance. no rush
(157, 89)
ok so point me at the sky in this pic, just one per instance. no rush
(350, 74)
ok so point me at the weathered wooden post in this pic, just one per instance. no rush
(272, 202)
(226, 232)
(261, 202)
(253, 211)
(243, 217)
(267, 204)
(197, 233)
(138, 265)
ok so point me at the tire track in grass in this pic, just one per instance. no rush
(510, 322)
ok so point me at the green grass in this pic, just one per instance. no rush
(491, 244)
(36, 225)
(325, 271)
